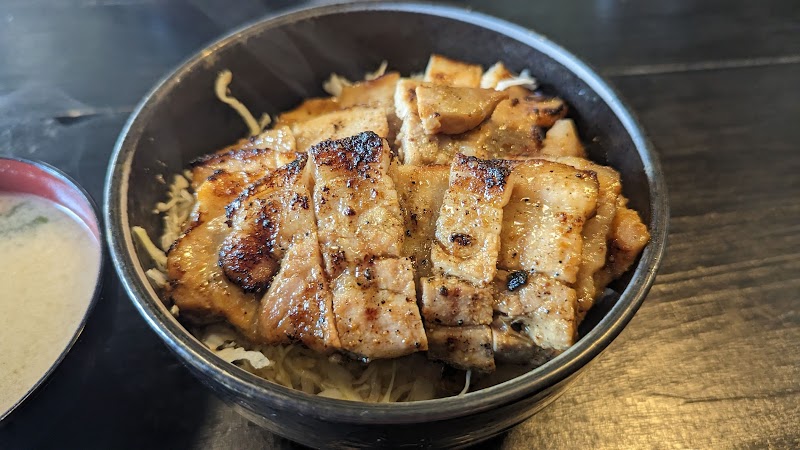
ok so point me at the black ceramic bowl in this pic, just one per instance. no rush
(278, 62)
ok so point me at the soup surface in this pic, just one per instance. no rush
(49, 263)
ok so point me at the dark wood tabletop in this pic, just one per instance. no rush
(712, 359)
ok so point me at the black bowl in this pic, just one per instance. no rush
(276, 63)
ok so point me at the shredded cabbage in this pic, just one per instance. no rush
(223, 94)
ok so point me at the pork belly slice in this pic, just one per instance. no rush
(197, 284)
(467, 347)
(455, 110)
(512, 346)
(339, 125)
(562, 140)
(376, 311)
(263, 219)
(627, 240)
(377, 93)
(446, 71)
(414, 145)
(250, 163)
(356, 205)
(420, 190)
(545, 309)
(298, 305)
(278, 138)
(454, 302)
(468, 227)
(543, 221)
(596, 231)
(307, 110)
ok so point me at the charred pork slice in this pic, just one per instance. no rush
(356, 205)
(542, 223)
(263, 220)
(454, 302)
(377, 93)
(446, 71)
(414, 145)
(628, 237)
(596, 231)
(455, 110)
(420, 190)
(249, 163)
(544, 308)
(297, 307)
(467, 347)
(376, 310)
(339, 125)
(197, 284)
(468, 228)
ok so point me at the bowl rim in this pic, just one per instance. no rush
(255, 389)
(62, 176)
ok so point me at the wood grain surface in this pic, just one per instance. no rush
(712, 359)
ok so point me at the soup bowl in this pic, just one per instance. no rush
(276, 63)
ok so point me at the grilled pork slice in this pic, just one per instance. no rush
(562, 140)
(420, 190)
(249, 163)
(468, 228)
(263, 220)
(376, 311)
(446, 71)
(515, 128)
(455, 110)
(297, 307)
(628, 237)
(197, 284)
(309, 109)
(356, 205)
(279, 138)
(545, 309)
(454, 302)
(377, 93)
(467, 347)
(340, 124)
(542, 223)
(414, 145)
(596, 231)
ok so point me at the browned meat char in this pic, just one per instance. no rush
(420, 190)
(455, 110)
(468, 228)
(263, 221)
(376, 310)
(454, 302)
(356, 205)
(467, 347)
(298, 305)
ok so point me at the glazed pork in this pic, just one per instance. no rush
(455, 214)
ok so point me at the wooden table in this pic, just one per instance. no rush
(712, 359)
